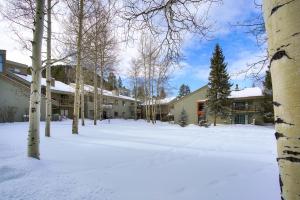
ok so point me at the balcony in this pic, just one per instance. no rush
(66, 103)
(246, 108)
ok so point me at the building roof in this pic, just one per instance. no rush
(13, 63)
(246, 93)
(235, 94)
(89, 88)
(164, 101)
(58, 87)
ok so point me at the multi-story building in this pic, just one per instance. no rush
(15, 93)
(245, 108)
(162, 107)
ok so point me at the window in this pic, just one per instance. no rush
(116, 114)
(116, 102)
(1, 62)
(124, 103)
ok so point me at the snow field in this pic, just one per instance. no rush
(133, 160)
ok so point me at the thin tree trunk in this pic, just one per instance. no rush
(35, 89)
(282, 19)
(101, 91)
(135, 98)
(78, 71)
(215, 119)
(48, 72)
(149, 93)
(95, 94)
(82, 99)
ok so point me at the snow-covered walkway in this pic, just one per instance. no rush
(129, 160)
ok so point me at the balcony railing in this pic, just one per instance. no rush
(246, 108)
(66, 102)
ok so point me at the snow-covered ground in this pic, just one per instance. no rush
(128, 160)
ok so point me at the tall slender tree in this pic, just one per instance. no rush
(48, 112)
(282, 20)
(218, 85)
(78, 71)
(35, 89)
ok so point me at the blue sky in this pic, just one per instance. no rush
(239, 48)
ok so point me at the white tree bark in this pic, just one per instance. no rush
(48, 72)
(35, 89)
(78, 72)
(282, 20)
(95, 93)
(82, 98)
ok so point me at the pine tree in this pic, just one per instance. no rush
(112, 81)
(120, 84)
(268, 111)
(184, 90)
(162, 93)
(218, 86)
(183, 118)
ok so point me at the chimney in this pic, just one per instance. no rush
(237, 87)
(53, 82)
(115, 92)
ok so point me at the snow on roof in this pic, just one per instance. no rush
(90, 88)
(59, 86)
(247, 92)
(161, 101)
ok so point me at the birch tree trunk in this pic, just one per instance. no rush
(78, 71)
(35, 89)
(282, 20)
(82, 98)
(135, 99)
(95, 94)
(48, 72)
(101, 96)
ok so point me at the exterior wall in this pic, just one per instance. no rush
(16, 97)
(253, 110)
(252, 113)
(121, 108)
(162, 110)
(62, 104)
(189, 104)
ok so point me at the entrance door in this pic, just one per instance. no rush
(239, 119)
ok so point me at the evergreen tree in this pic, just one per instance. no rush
(162, 93)
(218, 86)
(183, 118)
(112, 81)
(120, 84)
(184, 90)
(268, 110)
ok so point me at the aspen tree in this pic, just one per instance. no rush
(282, 20)
(48, 72)
(82, 97)
(35, 89)
(78, 72)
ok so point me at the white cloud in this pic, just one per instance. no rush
(239, 69)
